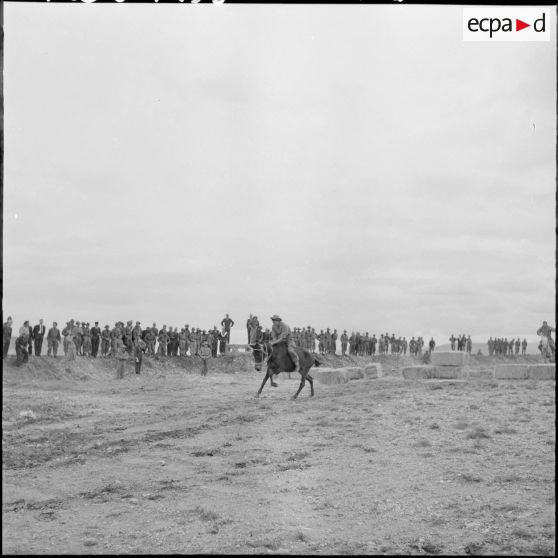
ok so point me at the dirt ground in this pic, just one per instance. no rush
(172, 462)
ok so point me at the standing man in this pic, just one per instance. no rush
(248, 327)
(95, 339)
(344, 341)
(105, 341)
(6, 336)
(205, 353)
(53, 339)
(29, 338)
(281, 333)
(138, 348)
(254, 329)
(431, 344)
(227, 323)
(524, 347)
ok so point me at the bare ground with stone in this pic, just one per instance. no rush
(172, 462)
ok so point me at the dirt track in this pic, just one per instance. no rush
(170, 462)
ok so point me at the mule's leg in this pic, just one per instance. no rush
(311, 380)
(263, 383)
(302, 382)
(271, 379)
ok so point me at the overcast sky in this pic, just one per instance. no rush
(352, 167)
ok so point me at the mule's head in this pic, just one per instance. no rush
(258, 352)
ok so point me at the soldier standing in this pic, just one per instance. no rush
(53, 338)
(77, 337)
(205, 354)
(373, 342)
(327, 341)
(138, 348)
(105, 341)
(253, 329)
(163, 340)
(249, 327)
(431, 344)
(95, 339)
(121, 356)
(150, 341)
(344, 341)
(182, 342)
(6, 336)
(524, 346)
(86, 340)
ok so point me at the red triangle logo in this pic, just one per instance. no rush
(519, 25)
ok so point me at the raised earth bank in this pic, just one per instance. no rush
(173, 462)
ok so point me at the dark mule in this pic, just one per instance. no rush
(278, 360)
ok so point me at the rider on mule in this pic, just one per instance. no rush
(281, 333)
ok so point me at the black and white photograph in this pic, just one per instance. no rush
(278, 278)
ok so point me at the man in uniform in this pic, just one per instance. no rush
(29, 338)
(53, 339)
(95, 339)
(6, 336)
(321, 342)
(281, 333)
(150, 341)
(105, 341)
(163, 340)
(431, 344)
(253, 329)
(138, 348)
(136, 332)
(524, 346)
(77, 334)
(227, 323)
(373, 342)
(344, 341)
(248, 327)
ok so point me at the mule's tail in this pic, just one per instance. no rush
(317, 362)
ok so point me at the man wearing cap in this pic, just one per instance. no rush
(95, 339)
(6, 336)
(53, 339)
(138, 348)
(136, 332)
(281, 333)
(86, 347)
(77, 333)
(344, 341)
(105, 341)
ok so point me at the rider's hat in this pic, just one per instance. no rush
(275, 317)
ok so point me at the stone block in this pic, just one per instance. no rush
(373, 371)
(418, 372)
(449, 358)
(354, 372)
(511, 371)
(330, 376)
(542, 372)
